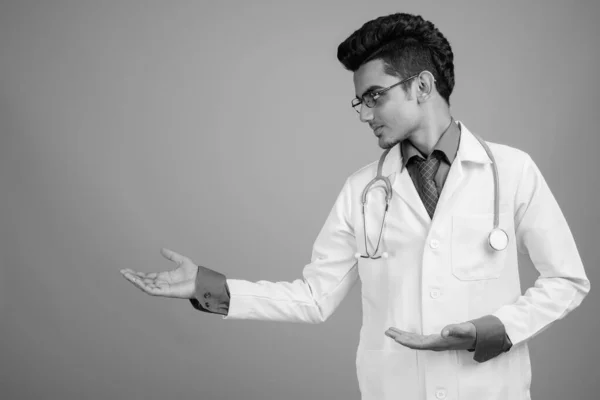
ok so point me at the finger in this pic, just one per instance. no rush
(405, 336)
(158, 277)
(151, 288)
(127, 275)
(153, 281)
(135, 280)
(155, 290)
(161, 289)
(149, 277)
(142, 275)
(418, 342)
(407, 339)
(396, 330)
(171, 255)
(138, 280)
(392, 333)
(131, 277)
(411, 342)
(132, 272)
(124, 270)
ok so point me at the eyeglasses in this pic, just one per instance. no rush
(370, 99)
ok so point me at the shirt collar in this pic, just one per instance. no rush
(447, 144)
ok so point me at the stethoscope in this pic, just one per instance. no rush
(497, 239)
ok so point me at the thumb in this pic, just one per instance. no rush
(454, 331)
(447, 331)
(171, 255)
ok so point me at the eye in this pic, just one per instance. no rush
(375, 95)
(370, 95)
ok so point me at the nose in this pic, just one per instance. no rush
(366, 113)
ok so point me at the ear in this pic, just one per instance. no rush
(425, 86)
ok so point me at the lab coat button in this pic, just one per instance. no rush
(434, 294)
(440, 394)
(207, 304)
(206, 295)
(434, 244)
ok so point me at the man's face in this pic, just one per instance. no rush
(396, 115)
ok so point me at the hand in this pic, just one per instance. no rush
(178, 283)
(453, 337)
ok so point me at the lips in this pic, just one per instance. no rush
(377, 130)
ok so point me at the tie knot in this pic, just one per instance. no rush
(428, 168)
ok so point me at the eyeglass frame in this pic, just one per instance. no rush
(377, 94)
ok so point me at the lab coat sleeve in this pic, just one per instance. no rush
(542, 233)
(327, 279)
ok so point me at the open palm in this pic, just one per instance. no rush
(177, 283)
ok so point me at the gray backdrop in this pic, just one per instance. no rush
(209, 129)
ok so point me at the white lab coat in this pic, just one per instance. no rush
(439, 272)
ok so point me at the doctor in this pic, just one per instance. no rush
(443, 313)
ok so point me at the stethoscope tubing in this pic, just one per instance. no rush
(388, 198)
(496, 183)
(498, 239)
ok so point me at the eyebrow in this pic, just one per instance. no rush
(370, 89)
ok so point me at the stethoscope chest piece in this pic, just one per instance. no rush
(498, 239)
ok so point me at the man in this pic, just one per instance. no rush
(443, 314)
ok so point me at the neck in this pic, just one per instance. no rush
(426, 137)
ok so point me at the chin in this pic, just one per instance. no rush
(387, 143)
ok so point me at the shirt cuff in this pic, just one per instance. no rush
(211, 292)
(491, 340)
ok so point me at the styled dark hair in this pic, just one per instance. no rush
(407, 44)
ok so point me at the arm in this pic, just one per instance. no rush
(327, 279)
(542, 232)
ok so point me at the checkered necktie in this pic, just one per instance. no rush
(427, 169)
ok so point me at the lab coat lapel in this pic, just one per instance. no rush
(469, 151)
(401, 182)
(454, 181)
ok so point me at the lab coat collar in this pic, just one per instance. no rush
(447, 145)
(469, 150)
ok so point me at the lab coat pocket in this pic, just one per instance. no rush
(472, 256)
